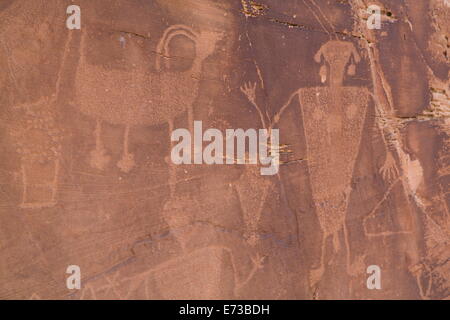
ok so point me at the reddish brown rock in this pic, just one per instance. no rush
(87, 179)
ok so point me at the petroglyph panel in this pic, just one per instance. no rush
(86, 117)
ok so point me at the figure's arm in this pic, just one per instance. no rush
(277, 116)
(389, 170)
(249, 90)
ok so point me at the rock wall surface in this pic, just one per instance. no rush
(87, 179)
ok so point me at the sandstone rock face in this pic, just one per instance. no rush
(86, 117)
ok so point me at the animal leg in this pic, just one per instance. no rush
(127, 163)
(99, 159)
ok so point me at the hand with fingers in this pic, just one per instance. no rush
(249, 89)
(389, 170)
(258, 261)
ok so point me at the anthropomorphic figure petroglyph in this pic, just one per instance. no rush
(420, 215)
(138, 96)
(333, 119)
(31, 101)
(253, 190)
(433, 270)
(38, 137)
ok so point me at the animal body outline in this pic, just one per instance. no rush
(158, 96)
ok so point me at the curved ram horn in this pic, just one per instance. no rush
(163, 46)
